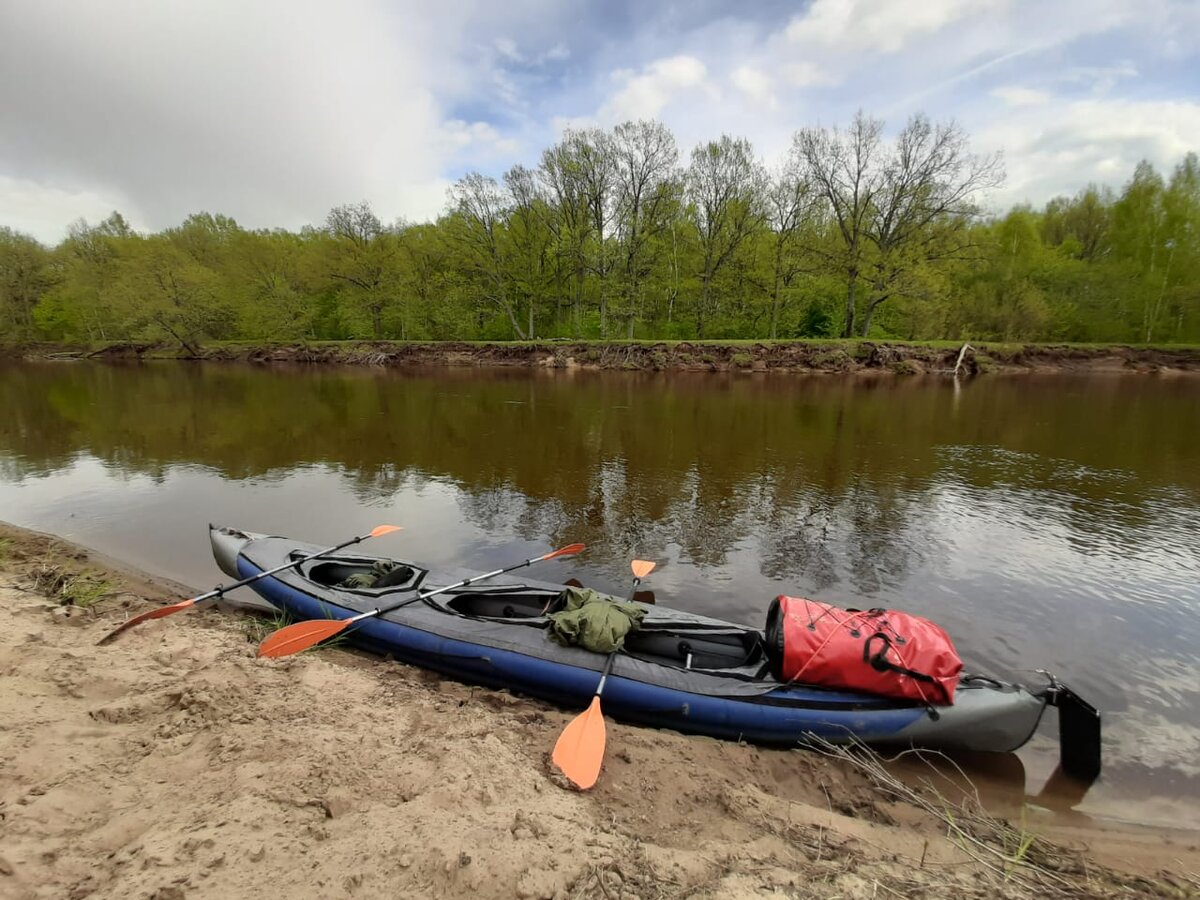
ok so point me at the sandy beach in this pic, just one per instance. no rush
(174, 764)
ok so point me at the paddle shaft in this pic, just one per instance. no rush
(608, 664)
(218, 591)
(450, 587)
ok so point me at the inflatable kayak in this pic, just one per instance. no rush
(678, 670)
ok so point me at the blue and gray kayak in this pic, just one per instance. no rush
(679, 670)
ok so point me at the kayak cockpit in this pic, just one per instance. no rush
(693, 649)
(337, 574)
(666, 643)
(502, 604)
(359, 573)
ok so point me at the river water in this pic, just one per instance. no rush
(1045, 521)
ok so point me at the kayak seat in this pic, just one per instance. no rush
(502, 605)
(335, 573)
(400, 575)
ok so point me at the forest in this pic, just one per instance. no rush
(617, 235)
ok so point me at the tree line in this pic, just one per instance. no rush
(613, 235)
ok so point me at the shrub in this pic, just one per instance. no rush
(837, 360)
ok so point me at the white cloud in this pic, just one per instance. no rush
(908, 50)
(507, 48)
(879, 25)
(271, 116)
(1058, 148)
(1015, 95)
(645, 94)
(806, 74)
(1100, 79)
(44, 210)
(484, 139)
(754, 83)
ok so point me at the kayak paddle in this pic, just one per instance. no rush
(161, 611)
(302, 635)
(579, 751)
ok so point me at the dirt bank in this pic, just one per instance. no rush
(174, 764)
(865, 357)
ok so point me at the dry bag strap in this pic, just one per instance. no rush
(880, 663)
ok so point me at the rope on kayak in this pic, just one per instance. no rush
(879, 661)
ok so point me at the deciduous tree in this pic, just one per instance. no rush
(726, 189)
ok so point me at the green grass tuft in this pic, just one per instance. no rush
(256, 626)
(81, 591)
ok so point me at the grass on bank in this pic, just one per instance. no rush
(1008, 854)
(68, 588)
(58, 573)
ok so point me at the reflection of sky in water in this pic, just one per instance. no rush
(1008, 578)
(160, 524)
(1029, 560)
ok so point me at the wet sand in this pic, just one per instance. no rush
(174, 764)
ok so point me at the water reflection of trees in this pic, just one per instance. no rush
(821, 476)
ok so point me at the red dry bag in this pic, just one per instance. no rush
(880, 651)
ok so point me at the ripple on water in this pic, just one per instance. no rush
(1006, 509)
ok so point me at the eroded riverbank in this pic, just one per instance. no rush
(845, 357)
(175, 764)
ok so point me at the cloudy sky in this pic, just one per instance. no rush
(273, 112)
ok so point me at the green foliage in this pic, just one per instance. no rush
(610, 238)
(25, 275)
(816, 321)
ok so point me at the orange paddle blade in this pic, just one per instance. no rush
(642, 567)
(146, 617)
(580, 748)
(301, 636)
(569, 550)
(381, 530)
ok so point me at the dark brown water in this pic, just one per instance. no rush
(1045, 522)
